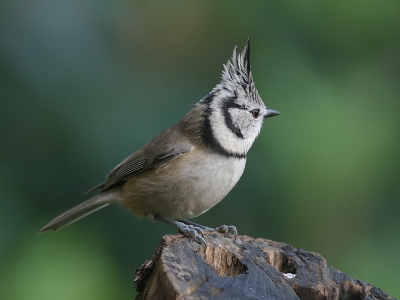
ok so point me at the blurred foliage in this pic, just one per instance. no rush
(85, 83)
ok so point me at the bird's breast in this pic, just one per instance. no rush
(184, 188)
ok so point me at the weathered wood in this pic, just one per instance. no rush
(246, 269)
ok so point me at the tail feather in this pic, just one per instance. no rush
(80, 211)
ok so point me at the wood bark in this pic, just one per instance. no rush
(247, 268)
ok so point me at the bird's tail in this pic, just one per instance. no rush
(81, 210)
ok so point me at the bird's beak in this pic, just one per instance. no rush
(271, 113)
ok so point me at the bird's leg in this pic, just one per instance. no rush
(223, 228)
(192, 230)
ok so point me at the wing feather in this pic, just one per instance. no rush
(138, 163)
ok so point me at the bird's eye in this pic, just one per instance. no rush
(255, 113)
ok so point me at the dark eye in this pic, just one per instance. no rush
(255, 113)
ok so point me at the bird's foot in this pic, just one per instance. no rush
(222, 229)
(228, 229)
(193, 231)
(196, 231)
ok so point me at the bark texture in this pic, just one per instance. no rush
(247, 268)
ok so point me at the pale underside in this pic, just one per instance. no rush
(179, 191)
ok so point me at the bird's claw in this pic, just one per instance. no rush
(194, 232)
(226, 229)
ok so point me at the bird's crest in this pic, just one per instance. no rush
(237, 69)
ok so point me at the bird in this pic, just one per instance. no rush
(192, 165)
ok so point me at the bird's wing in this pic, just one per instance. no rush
(139, 162)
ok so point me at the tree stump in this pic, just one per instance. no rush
(247, 268)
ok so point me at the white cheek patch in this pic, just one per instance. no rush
(224, 135)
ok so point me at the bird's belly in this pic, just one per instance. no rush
(210, 183)
(183, 188)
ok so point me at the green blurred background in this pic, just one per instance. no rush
(83, 84)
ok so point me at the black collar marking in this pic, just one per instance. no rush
(208, 135)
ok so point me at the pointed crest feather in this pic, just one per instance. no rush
(237, 69)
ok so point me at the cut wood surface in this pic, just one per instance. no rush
(247, 268)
